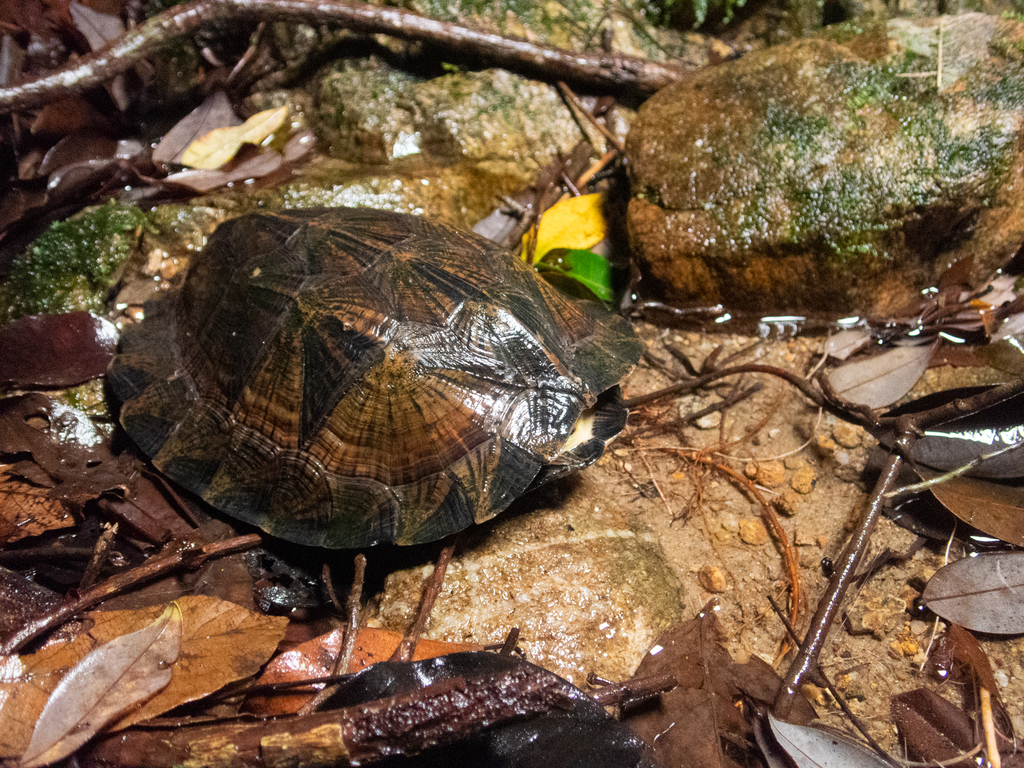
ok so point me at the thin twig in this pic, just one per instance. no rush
(407, 723)
(771, 520)
(806, 387)
(348, 638)
(635, 690)
(572, 99)
(596, 167)
(407, 648)
(594, 70)
(831, 600)
(924, 485)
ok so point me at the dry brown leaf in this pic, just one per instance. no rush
(110, 680)
(220, 145)
(221, 642)
(26, 509)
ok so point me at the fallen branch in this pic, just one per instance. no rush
(604, 71)
(405, 724)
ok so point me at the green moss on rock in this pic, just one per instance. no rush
(806, 177)
(74, 263)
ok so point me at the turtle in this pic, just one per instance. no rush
(342, 377)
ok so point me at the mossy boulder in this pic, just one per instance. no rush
(831, 176)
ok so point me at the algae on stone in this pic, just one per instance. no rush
(74, 263)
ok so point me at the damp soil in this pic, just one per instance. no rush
(816, 471)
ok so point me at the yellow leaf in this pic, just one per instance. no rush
(220, 145)
(573, 223)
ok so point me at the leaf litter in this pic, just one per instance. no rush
(220, 643)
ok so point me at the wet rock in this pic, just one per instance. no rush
(577, 25)
(460, 194)
(831, 176)
(588, 586)
(369, 112)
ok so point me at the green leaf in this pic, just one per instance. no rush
(572, 270)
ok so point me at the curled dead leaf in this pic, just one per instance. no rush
(220, 145)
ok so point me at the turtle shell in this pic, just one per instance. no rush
(342, 377)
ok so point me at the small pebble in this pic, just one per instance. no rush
(847, 435)
(771, 473)
(712, 578)
(803, 479)
(919, 627)
(753, 532)
(788, 503)
(794, 462)
(709, 420)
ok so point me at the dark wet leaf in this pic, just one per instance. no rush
(117, 676)
(958, 656)
(215, 112)
(148, 512)
(689, 724)
(956, 443)
(881, 379)
(583, 735)
(12, 57)
(1005, 355)
(77, 147)
(993, 508)
(61, 450)
(930, 727)
(817, 748)
(27, 508)
(56, 350)
(957, 277)
(22, 600)
(983, 593)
